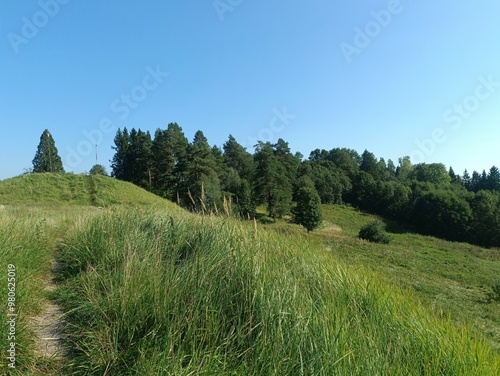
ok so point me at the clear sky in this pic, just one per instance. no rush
(418, 78)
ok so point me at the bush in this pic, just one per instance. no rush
(98, 170)
(374, 232)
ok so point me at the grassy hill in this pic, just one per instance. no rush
(150, 291)
(68, 189)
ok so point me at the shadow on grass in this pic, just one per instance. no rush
(395, 227)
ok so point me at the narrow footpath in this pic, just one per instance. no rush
(48, 325)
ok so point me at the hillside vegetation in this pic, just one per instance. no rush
(151, 289)
(68, 189)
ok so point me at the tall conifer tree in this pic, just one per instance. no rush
(47, 158)
(271, 182)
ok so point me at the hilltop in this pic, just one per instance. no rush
(70, 189)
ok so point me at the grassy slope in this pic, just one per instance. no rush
(312, 308)
(69, 189)
(35, 214)
(454, 277)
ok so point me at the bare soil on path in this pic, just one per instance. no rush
(48, 326)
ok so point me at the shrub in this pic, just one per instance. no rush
(374, 232)
(98, 170)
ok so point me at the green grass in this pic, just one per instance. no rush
(69, 189)
(28, 236)
(35, 213)
(161, 295)
(151, 290)
(452, 278)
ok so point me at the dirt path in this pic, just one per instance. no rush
(48, 326)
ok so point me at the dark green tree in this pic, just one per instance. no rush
(485, 207)
(318, 155)
(374, 232)
(47, 158)
(466, 180)
(308, 210)
(272, 186)
(364, 191)
(170, 158)
(237, 157)
(475, 181)
(393, 199)
(289, 161)
(347, 160)
(202, 190)
(444, 214)
(331, 183)
(119, 168)
(369, 164)
(493, 179)
(139, 159)
(455, 179)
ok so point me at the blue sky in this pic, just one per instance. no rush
(418, 78)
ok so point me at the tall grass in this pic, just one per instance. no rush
(154, 294)
(26, 240)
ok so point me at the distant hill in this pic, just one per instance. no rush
(71, 189)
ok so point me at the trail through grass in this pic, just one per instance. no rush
(149, 289)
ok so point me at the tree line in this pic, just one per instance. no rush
(432, 199)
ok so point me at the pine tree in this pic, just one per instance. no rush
(493, 180)
(391, 168)
(139, 158)
(120, 169)
(237, 157)
(308, 210)
(454, 177)
(170, 154)
(466, 180)
(475, 181)
(47, 158)
(202, 188)
(290, 162)
(271, 183)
